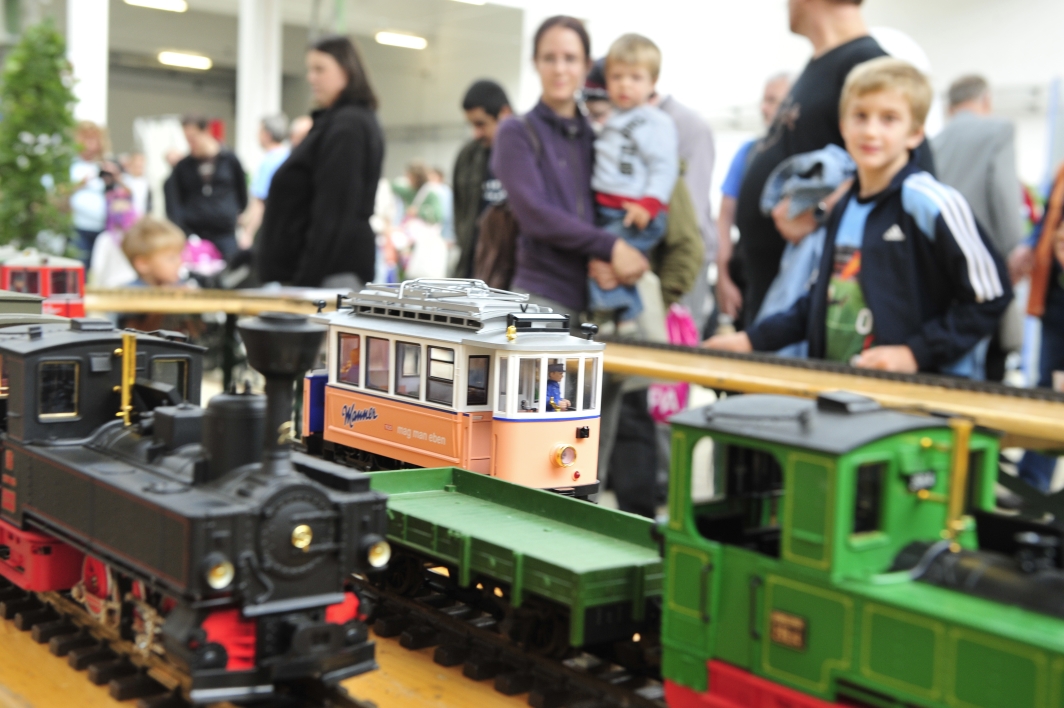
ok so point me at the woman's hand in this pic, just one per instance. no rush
(1021, 263)
(628, 262)
(736, 342)
(602, 273)
(897, 358)
(793, 230)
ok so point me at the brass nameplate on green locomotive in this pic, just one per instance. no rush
(787, 630)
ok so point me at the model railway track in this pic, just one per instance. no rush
(173, 301)
(463, 635)
(1028, 417)
(130, 674)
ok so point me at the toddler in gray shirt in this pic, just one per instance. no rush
(636, 163)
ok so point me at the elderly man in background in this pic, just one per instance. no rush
(976, 155)
(272, 133)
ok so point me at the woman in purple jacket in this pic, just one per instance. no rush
(544, 160)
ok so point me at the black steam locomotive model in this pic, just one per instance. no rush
(196, 532)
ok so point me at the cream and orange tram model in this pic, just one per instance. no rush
(439, 373)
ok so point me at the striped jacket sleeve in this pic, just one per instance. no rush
(974, 270)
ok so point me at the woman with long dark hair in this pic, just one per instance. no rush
(544, 160)
(315, 230)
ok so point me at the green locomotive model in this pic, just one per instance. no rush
(835, 553)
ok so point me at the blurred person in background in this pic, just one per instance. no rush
(807, 120)
(544, 162)
(316, 230)
(298, 130)
(976, 155)
(729, 291)
(475, 186)
(1043, 257)
(153, 247)
(420, 200)
(88, 204)
(272, 133)
(136, 181)
(438, 184)
(207, 191)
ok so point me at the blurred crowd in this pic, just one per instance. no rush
(597, 203)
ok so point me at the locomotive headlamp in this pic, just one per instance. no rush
(302, 535)
(220, 572)
(378, 553)
(564, 456)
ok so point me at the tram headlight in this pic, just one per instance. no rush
(378, 552)
(564, 456)
(220, 572)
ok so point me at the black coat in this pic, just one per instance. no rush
(317, 216)
(208, 213)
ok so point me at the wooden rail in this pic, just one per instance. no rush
(177, 301)
(1026, 422)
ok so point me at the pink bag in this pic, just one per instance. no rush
(668, 399)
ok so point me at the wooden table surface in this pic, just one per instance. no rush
(30, 677)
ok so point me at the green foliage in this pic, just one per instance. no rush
(36, 136)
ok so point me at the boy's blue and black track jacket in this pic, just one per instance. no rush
(938, 286)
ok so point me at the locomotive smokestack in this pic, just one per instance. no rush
(281, 347)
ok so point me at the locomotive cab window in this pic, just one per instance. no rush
(868, 501)
(171, 371)
(57, 383)
(350, 359)
(377, 364)
(408, 369)
(746, 489)
(477, 385)
(440, 387)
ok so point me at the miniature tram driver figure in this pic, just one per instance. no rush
(555, 376)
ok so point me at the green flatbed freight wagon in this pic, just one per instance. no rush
(600, 565)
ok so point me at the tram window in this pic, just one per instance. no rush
(502, 385)
(590, 379)
(350, 359)
(377, 364)
(58, 381)
(561, 384)
(25, 281)
(477, 388)
(441, 376)
(528, 386)
(64, 282)
(173, 372)
(867, 511)
(408, 369)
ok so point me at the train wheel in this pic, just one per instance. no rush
(540, 629)
(98, 591)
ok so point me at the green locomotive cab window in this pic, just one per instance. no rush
(868, 504)
(528, 394)
(350, 365)
(477, 386)
(408, 369)
(173, 372)
(440, 387)
(745, 501)
(58, 386)
(707, 482)
(377, 364)
(501, 408)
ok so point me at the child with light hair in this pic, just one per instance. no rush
(636, 163)
(908, 280)
(153, 247)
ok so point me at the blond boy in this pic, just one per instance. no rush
(908, 280)
(153, 247)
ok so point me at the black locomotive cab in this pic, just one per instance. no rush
(66, 384)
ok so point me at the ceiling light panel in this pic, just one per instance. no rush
(185, 61)
(168, 5)
(399, 39)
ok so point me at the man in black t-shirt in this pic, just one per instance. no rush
(807, 120)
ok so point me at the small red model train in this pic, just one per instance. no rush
(60, 281)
